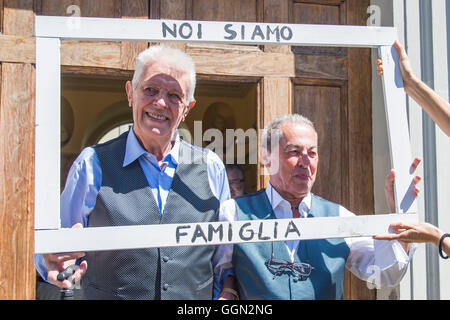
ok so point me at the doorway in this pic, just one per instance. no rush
(94, 110)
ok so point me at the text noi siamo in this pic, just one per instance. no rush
(239, 32)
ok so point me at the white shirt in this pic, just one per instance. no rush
(381, 262)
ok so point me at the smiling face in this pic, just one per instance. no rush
(293, 167)
(158, 103)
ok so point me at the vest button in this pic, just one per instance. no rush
(166, 258)
(165, 287)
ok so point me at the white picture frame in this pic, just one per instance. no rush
(50, 30)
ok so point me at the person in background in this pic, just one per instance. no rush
(236, 180)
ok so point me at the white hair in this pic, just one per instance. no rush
(272, 133)
(179, 60)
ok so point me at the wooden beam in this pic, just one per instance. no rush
(277, 101)
(129, 50)
(241, 60)
(174, 10)
(92, 54)
(17, 272)
(1, 16)
(17, 49)
(277, 98)
(228, 60)
(276, 11)
(18, 17)
(97, 72)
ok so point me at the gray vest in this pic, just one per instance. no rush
(125, 198)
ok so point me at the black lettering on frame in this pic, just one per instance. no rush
(286, 33)
(275, 230)
(257, 32)
(230, 232)
(198, 233)
(166, 28)
(276, 32)
(179, 234)
(291, 228)
(211, 232)
(199, 31)
(260, 232)
(183, 27)
(241, 232)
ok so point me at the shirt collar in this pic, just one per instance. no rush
(276, 199)
(134, 150)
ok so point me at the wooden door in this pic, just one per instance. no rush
(106, 55)
(332, 86)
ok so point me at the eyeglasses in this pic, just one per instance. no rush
(174, 96)
(300, 270)
(235, 181)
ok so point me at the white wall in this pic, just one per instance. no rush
(407, 17)
(441, 86)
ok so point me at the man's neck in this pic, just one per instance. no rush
(294, 200)
(159, 148)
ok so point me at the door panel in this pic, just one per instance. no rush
(88, 8)
(332, 86)
(322, 105)
(225, 10)
(324, 13)
(314, 64)
(341, 113)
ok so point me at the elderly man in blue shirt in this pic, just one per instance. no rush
(146, 176)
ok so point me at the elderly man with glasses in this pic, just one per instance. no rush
(299, 270)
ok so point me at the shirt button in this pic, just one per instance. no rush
(165, 287)
(166, 258)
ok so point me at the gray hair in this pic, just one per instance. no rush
(272, 133)
(177, 58)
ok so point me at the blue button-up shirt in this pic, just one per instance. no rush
(85, 177)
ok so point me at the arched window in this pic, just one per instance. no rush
(118, 130)
(115, 132)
